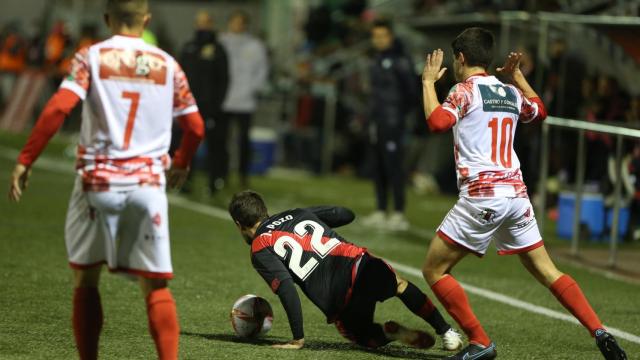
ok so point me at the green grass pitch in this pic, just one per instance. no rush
(212, 269)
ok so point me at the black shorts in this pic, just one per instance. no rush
(375, 282)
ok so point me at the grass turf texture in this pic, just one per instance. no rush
(212, 269)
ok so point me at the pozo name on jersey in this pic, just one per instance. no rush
(279, 222)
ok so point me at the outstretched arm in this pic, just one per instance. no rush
(438, 119)
(334, 216)
(431, 73)
(532, 108)
(511, 71)
(49, 122)
(192, 134)
(186, 111)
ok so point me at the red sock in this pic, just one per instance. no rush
(163, 323)
(454, 299)
(569, 294)
(87, 321)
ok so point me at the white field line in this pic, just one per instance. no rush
(57, 166)
(508, 300)
(409, 270)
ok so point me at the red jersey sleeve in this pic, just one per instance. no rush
(192, 134)
(51, 119)
(79, 77)
(441, 120)
(459, 100)
(532, 109)
(183, 100)
(454, 108)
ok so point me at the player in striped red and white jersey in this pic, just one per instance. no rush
(493, 205)
(118, 212)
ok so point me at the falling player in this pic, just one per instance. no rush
(118, 209)
(493, 203)
(299, 246)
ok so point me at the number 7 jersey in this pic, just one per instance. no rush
(486, 113)
(131, 92)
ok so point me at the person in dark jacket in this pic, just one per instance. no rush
(393, 93)
(204, 61)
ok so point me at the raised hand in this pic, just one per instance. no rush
(432, 71)
(511, 65)
(19, 182)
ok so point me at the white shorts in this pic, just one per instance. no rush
(473, 222)
(127, 230)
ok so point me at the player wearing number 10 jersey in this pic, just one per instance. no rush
(493, 204)
(118, 212)
(343, 280)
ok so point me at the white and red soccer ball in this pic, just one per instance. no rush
(251, 316)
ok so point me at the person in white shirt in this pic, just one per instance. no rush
(248, 70)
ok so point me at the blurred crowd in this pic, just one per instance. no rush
(340, 49)
(570, 91)
(354, 64)
(39, 49)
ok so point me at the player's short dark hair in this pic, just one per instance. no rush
(128, 12)
(247, 208)
(476, 44)
(383, 23)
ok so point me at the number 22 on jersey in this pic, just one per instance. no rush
(319, 248)
(506, 140)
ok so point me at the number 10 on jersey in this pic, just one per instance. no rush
(506, 140)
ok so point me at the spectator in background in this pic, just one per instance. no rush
(13, 48)
(608, 106)
(563, 80)
(88, 37)
(35, 47)
(634, 208)
(204, 61)
(248, 70)
(393, 93)
(633, 119)
(57, 47)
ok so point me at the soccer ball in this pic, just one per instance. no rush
(251, 316)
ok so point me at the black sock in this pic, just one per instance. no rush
(416, 301)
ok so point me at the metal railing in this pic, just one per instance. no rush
(620, 133)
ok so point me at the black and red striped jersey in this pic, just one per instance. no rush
(300, 244)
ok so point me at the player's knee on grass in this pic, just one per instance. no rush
(369, 335)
